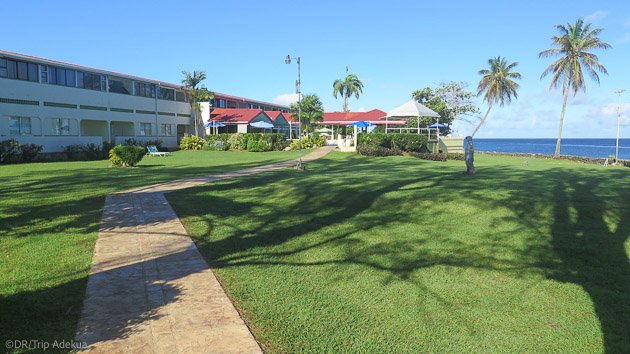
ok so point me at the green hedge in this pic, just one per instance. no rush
(398, 141)
(240, 141)
(126, 156)
(378, 151)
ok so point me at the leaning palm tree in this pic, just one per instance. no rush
(574, 42)
(196, 95)
(348, 87)
(497, 85)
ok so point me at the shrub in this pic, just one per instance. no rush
(92, 151)
(378, 151)
(309, 142)
(8, 148)
(215, 146)
(191, 142)
(126, 156)
(73, 152)
(399, 141)
(30, 151)
(374, 139)
(429, 156)
(258, 146)
(131, 142)
(238, 141)
(223, 137)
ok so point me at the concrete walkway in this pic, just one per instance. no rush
(150, 290)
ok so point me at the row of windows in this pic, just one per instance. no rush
(15, 69)
(61, 126)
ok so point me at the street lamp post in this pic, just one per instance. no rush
(618, 92)
(299, 92)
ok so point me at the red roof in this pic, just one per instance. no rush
(274, 115)
(235, 115)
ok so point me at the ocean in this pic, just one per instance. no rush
(597, 148)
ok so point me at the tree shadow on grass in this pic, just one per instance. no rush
(572, 227)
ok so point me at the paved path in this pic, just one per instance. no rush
(150, 290)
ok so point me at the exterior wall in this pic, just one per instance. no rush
(88, 112)
(242, 128)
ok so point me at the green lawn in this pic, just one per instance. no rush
(49, 218)
(403, 255)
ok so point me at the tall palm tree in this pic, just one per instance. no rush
(348, 87)
(574, 42)
(196, 95)
(496, 85)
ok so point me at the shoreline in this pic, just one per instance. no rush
(582, 159)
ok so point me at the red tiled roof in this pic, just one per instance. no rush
(234, 115)
(274, 115)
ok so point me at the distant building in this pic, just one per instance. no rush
(57, 104)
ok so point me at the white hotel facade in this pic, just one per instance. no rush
(56, 104)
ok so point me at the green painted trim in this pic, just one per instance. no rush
(123, 110)
(62, 105)
(144, 112)
(183, 115)
(93, 108)
(166, 114)
(16, 101)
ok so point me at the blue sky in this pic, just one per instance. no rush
(394, 47)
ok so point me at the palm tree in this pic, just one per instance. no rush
(497, 85)
(574, 42)
(196, 95)
(312, 111)
(348, 87)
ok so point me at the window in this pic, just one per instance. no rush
(3, 68)
(18, 70)
(120, 85)
(219, 103)
(91, 81)
(145, 129)
(180, 96)
(19, 126)
(144, 90)
(165, 94)
(43, 69)
(166, 130)
(70, 78)
(61, 126)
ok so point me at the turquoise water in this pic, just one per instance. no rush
(597, 148)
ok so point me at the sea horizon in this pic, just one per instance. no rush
(587, 147)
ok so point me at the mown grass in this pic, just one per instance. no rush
(398, 254)
(49, 218)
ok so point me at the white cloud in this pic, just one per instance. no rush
(608, 113)
(286, 99)
(361, 109)
(595, 16)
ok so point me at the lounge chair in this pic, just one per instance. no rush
(153, 151)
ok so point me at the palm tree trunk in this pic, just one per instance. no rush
(564, 106)
(345, 98)
(483, 120)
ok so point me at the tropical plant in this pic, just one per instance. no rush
(191, 142)
(312, 111)
(351, 85)
(196, 94)
(497, 85)
(126, 155)
(573, 45)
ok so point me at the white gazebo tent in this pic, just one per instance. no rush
(411, 109)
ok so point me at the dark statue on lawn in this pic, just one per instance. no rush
(469, 156)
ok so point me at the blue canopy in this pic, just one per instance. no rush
(361, 124)
(213, 124)
(437, 125)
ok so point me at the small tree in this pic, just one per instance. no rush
(450, 100)
(196, 95)
(312, 111)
